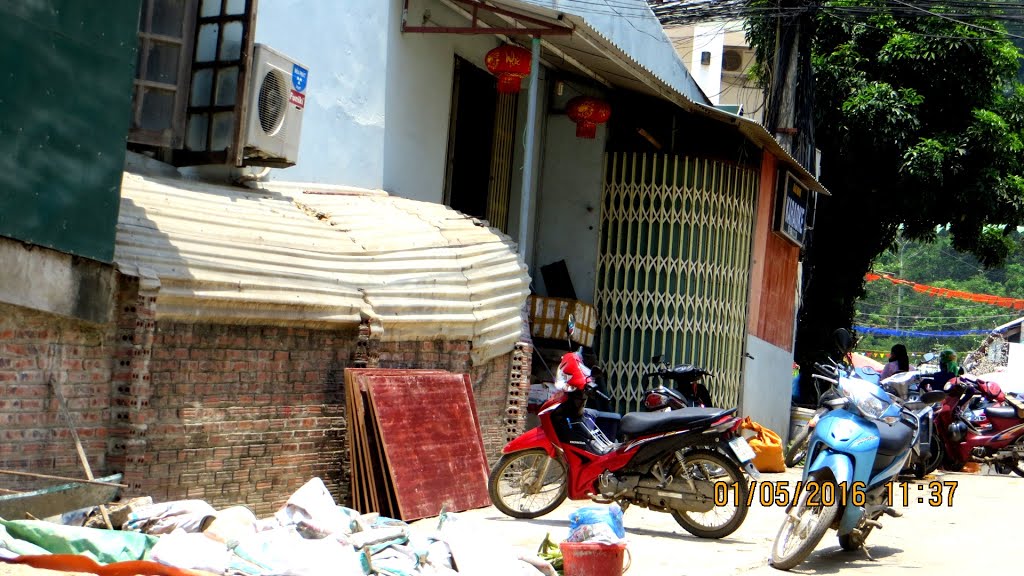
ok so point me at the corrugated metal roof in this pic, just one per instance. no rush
(322, 256)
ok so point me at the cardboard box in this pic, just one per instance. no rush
(548, 317)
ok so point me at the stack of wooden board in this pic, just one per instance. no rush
(415, 443)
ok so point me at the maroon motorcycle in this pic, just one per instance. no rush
(997, 439)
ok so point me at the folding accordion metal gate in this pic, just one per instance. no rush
(674, 270)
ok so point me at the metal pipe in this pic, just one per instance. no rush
(531, 129)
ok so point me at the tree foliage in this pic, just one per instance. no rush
(937, 263)
(920, 123)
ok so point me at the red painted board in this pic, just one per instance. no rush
(370, 478)
(432, 443)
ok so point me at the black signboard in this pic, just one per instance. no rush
(791, 208)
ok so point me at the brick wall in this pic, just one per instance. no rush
(245, 414)
(226, 413)
(35, 347)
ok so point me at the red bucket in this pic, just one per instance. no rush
(592, 559)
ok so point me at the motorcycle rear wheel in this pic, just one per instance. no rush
(707, 468)
(807, 523)
(1018, 466)
(849, 542)
(517, 490)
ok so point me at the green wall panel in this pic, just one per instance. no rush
(66, 70)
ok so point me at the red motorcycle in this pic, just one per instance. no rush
(997, 439)
(681, 462)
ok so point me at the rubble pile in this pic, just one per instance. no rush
(310, 535)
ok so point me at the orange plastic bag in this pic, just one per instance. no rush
(767, 446)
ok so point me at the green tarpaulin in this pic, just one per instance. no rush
(104, 546)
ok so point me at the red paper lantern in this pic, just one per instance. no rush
(510, 64)
(587, 113)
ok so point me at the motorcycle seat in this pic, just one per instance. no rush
(637, 423)
(1000, 412)
(894, 439)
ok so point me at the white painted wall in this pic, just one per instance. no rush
(344, 44)
(767, 386)
(708, 38)
(418, 100)
(569, 220)
(379, 107)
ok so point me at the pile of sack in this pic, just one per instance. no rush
(308, 536)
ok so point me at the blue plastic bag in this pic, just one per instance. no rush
(594, 520)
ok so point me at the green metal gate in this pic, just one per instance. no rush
(673, 270)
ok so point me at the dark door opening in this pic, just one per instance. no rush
(480, 145)
(470, 138)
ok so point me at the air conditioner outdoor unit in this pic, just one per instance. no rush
(732, 60)
(275, 100)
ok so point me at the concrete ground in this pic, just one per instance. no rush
(979, 533)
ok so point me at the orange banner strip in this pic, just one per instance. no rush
(1003, 301)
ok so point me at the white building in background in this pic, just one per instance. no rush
(720, 60)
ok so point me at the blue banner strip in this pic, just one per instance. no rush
(918, 333)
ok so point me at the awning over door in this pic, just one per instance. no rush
(618, 44)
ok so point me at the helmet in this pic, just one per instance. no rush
(572, 372)
(947, 361)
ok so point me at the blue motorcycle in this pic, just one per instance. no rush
(854, 454)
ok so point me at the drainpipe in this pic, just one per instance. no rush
(525, 203)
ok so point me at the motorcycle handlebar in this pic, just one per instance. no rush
(593, 389)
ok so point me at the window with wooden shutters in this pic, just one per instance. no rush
(189, 92)
(220, 65)
(161, 74)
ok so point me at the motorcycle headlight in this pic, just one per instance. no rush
(861, 396)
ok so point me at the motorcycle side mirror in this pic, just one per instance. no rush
(843, 341)
(933, 397)
(656, 359)
(928, 357)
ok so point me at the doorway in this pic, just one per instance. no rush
(480, 146)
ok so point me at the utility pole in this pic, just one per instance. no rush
(788, 117)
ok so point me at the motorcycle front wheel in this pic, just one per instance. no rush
(798, 447)
(707, 469)
(527, 484)
(803, 527)
(938, 454)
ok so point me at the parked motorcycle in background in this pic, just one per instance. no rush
(997, 439)
(690, 390)
(668, 461)
(906, 388)
(854, 453)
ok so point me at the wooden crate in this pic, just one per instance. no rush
(549, 315)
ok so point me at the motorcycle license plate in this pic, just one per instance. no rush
(742, 450)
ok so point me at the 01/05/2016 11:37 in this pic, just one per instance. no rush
(779, 493)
